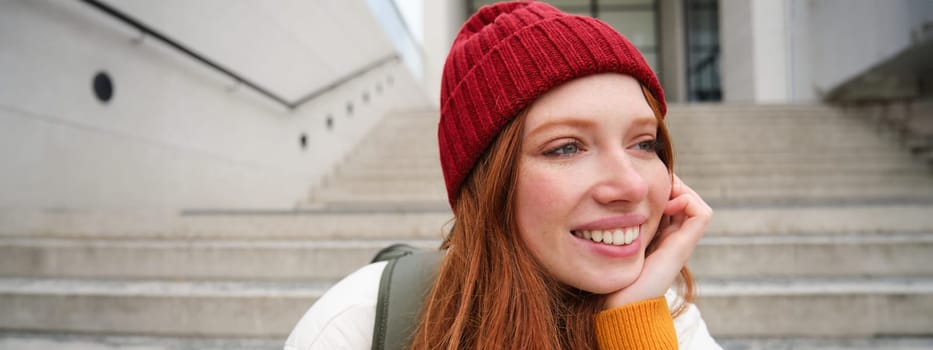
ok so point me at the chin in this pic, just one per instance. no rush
(605, 286)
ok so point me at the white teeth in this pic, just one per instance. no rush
(630, 234)
(620, 236)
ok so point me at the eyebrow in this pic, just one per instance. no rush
(646, 120)
(573, 122)
(584, 123)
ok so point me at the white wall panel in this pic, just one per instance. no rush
(176, 134)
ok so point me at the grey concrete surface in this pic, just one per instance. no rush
(159, 307)
(817, 307)
(816, 240)
(260, 260)
(889, 343)
(45, 341)
(771, 255)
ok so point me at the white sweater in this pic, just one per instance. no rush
(343, 317)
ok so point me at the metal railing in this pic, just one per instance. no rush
(291, 105)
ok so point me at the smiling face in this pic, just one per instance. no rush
(591, 188)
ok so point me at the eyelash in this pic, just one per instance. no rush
(555, 151)
(651, 146)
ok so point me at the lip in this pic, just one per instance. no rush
(611, 251)
(613, 222)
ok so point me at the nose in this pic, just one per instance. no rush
(619, 180)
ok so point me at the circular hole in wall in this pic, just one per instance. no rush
(366, 97)
(303, 141)
(329, 122)
(103, 86)
(349, 108)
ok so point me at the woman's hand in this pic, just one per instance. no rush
(685, 221)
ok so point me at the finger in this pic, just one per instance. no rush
(689, 218)
(685, 231)
(675, 246)
(680, 188)
(676, 205)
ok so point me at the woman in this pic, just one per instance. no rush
(570, 227)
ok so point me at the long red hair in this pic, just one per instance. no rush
(490, 293)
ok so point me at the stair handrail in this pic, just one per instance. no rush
(149, 30)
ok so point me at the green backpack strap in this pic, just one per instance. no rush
(405, 282)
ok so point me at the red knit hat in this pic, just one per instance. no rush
(506, 56)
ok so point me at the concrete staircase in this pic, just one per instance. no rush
(823, 228)
(823, 225)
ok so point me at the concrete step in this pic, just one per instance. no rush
(417, 146)
(77, 341)
(711, 145)
(408, 139)
(422, 220)
(386, 196)
(881, 254)
(401, 123)
(692, 112)
(699, 174)
(792, 169)
(813, 155)
(781, 241)
(714, 196)
(708, 162)
(741, 129)
(822, 219)
(748, 111)
(854, 179)
(733, 119)
(813, 178)
(702, 172)
(828, 307)
(425, 221)
(838, 162)
(351, 222)
(218, 259)
(434, 175)
(424, 144)
(73, 341)
(165, 308)
(813, 255)
(723, 155)
(824, 307)
(847, 195)
(728, 121)
(824, 343)
(722, 126)
(726, 189)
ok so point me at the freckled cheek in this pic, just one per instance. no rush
(660, 191)
(658, 196)
(542, 199)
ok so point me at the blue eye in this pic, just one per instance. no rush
(565, 149)
(648, 146)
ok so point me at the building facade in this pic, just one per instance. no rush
(747, 51)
